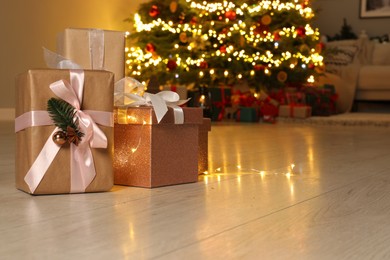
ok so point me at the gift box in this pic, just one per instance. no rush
(322, 100)
(203, 154)
(44, 167)
(179, 89)
(297, 111)
(94, 49)
(151, 154)
(193, 95)
(247, 114)
(295, 98)
(200, 97)
(269, 107)
(220, 100)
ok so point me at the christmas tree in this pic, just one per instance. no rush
(268, 43)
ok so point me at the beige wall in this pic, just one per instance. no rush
(28, 25)
(332, 12)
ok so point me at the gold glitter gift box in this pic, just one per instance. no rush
(150, 154)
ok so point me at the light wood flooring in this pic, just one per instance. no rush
(279, 191)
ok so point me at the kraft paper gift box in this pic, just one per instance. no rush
(203, 154)
(296, 111)
(34, 129)
(94, 49)
(150, 154)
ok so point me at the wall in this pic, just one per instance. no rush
(332, 12)
(27, 26)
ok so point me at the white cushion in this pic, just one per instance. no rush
(374, 77)
(381, 54)
(340, 53)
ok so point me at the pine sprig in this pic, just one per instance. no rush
(63, 115)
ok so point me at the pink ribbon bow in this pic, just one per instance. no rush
(82, 165)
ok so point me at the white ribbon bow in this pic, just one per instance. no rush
(124, 97)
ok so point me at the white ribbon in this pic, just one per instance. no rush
(96, 48)
(124, 97)
(56, 61)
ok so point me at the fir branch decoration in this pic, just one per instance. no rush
(63, 116)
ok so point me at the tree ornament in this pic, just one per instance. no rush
(224, 31)
(203, 65)
(261, 30)
(154, 11)
(304, 4)
(259, 67)
(150, 48)
(311, 66)
(59, 137)
(277, 35)
(222, 49)
(64, 117)
(231, 15)
(282, 76)
(173, 6)
(194, 21)
(266, 19)
(301, 31)
(183, 37)
(171, 65)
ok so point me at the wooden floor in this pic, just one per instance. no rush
(278, 191)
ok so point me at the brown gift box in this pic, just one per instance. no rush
(203, 164)
(296, 111)
(74, 44)
(32, 94)
(150, 154)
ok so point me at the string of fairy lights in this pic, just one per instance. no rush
(139, 59)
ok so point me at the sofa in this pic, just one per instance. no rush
(359, 69)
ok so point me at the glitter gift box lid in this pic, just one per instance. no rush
(145, 115)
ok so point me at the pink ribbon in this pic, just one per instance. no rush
(82, 165)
